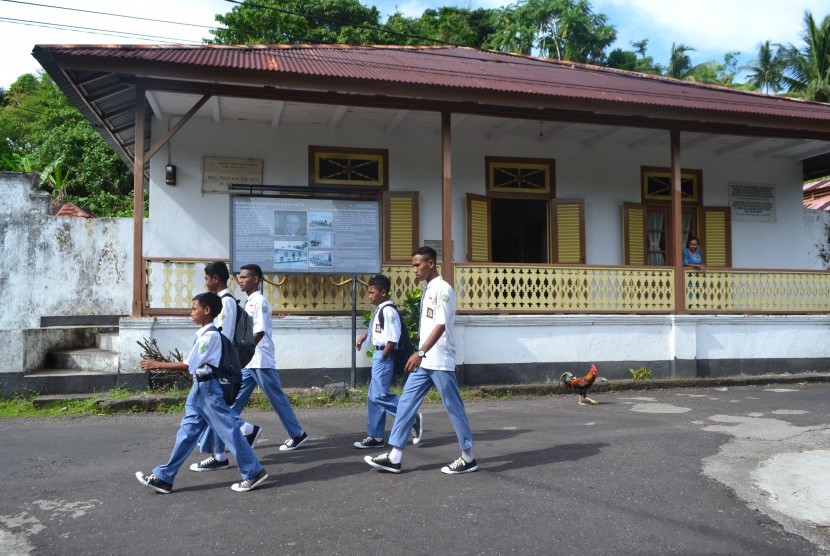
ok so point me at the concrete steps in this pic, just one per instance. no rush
(79, 370)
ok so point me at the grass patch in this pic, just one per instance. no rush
(23, 406)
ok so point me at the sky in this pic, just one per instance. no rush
(712, 27)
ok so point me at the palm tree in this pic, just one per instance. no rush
(808, 69)
(766, 73)
(680, 65)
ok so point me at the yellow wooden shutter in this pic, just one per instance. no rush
(478, 229)
(717, 236)
(634, 234)
(568, 231)
(400, 226)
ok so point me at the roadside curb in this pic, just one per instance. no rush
(619, 385)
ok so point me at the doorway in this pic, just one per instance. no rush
(519, 230)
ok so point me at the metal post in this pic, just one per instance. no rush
(354, 329)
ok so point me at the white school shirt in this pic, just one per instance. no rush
(438, 307)
(206, 349)
(228, 315)
(391, 331)
(260, 311)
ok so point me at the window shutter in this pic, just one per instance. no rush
(568, 231)
(717, 236)
(478, 229)
(401, 234)
(634, 234)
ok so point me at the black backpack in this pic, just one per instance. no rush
(229, 371)
(243, 334)
(403, 349)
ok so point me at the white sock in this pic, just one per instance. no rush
(220, 456)
(396, 455)
(247, 428)
(467, 455)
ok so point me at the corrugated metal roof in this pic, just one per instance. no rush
(452, 68)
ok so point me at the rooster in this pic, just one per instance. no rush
(582, 384)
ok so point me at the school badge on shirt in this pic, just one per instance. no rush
(203, 346)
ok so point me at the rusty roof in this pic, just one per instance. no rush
(445, 67)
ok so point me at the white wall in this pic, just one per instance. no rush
(58, 266)
(184, 223)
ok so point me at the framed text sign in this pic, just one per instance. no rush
(219, 173)
(305, 235)
(754, 202)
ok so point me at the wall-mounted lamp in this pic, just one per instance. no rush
(170, 174)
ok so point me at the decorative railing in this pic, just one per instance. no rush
(489, 288)
(757, 291)
(171, 284)
(543, 289)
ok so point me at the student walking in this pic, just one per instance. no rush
(432, 365)
(260, 371)
(205, 405)
(385, 334)
(216, 281)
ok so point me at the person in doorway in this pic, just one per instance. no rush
(692, 256)
(384, 337)
(260, 371)
(432, 365)
(205, 405)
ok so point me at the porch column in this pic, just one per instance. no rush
(446, 204)
(677, 225)
(138, 202)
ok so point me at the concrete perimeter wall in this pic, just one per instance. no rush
(58, 265)
(520, 349)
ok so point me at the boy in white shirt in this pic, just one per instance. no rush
(432, 365)
(205, 405)
(216, 281)
(260, 371)
(384, 339)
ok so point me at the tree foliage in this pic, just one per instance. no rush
(808, 68)
(299, 21)
(43, 131)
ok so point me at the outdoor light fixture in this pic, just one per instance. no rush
(170, 174)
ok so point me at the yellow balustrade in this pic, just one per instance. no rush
(490, 288)
(583, 289)
(756, 291)
(172, 284)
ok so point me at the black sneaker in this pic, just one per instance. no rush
(369, 442)
(383, 463)
(254, 436)
(154, 483)
(210, 464)
(418, 429)
(250, 484)
(459, 466)
(294, 443)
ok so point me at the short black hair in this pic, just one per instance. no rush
(427, 252)
(218, 269)
(211, 301)
(253, 268)
(381, 282)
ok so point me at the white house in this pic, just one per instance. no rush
(560, 195)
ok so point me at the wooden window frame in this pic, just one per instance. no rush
(317, 153)
(694, 176)
(493, 163)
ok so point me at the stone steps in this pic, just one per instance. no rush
(80, 370)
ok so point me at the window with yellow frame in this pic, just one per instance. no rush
(352, 167)
(520, 177)
(657, 184)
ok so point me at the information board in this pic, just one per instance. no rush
(305, 235)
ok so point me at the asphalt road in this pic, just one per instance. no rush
(743, 470)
